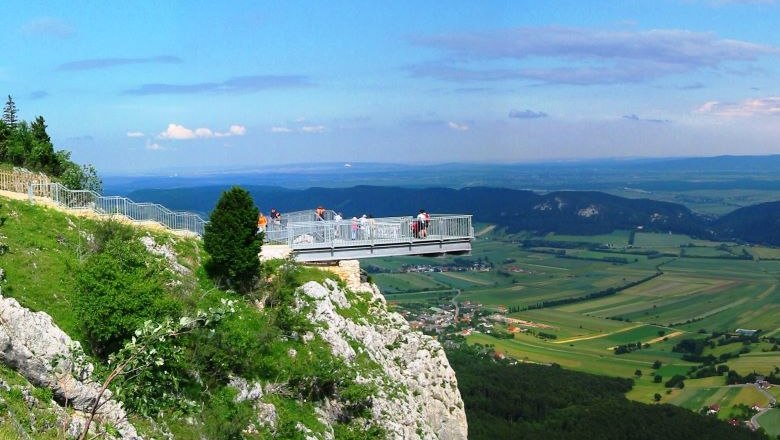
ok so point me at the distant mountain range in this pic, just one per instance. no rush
(656, 174)
(565, 212)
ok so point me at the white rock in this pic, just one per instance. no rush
(411, 402)
(31, 344)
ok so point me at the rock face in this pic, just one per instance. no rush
(418, 396)
(31, 344)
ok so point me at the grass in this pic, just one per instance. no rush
(770, 421)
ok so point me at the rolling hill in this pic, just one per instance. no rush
(570, 212)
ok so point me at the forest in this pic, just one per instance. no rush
(505, 399)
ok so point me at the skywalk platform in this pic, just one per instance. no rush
(327, 240)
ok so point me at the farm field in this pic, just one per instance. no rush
(653, 302)
(726, 396)
(770, 421)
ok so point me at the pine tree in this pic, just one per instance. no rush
(231, 240)
(9, 113)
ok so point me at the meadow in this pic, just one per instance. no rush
(699, 288)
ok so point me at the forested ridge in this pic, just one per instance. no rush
(563, 212)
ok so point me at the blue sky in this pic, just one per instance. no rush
(163, 86)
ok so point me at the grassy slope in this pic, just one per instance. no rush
(45, 248)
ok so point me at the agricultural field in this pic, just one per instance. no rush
(575, 310)
(694, 398)
(770, 421)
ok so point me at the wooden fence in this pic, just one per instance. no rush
(20, 179)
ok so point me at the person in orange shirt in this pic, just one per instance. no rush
(261, 223)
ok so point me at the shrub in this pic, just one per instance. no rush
(224, 418)
(231, 241)
(119, 288)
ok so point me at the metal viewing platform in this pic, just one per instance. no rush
(314, 240)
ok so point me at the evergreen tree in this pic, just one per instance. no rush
(9, 113)
(231, 240)
(38, 128)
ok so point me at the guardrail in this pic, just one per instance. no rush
(117, 205)
(369, 231)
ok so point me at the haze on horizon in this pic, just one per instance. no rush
(141, 86)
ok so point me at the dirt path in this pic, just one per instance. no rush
(596, 336)
(88, 213)
(661, 338)
(466, 279)
(485, 230)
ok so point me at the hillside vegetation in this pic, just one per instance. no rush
(100, 282)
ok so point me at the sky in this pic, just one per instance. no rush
(157, 87)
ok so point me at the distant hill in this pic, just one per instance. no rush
(755, 224)
(649, 174)
(569, 212)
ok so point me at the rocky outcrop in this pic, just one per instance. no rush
(40, 351)
(417, 393)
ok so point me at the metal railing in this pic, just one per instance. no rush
(367, 231)
(117, 205)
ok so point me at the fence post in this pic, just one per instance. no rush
(30, 191)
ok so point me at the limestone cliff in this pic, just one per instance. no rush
(31, 344)
(417, 392)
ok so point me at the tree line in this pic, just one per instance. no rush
(28, 145)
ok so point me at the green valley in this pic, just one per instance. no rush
(617, 305)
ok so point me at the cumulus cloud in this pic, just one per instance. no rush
(135, 134)
(239, 84)
(633, 117)
(154, 146)
(103, 63)
(457, 127)
(237, 130)
(180, 132)
(280, 130)
(313, 129)
(526, 114)
(769, 106)
(581, 56)
(48, 27)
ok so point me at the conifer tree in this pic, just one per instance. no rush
(231, 240)
(9, 113)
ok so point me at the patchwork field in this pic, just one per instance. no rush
(586, 306)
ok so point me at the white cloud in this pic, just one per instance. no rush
(237, 130)
(176, 131)
(180, 132)
(154, 146)
(769, 106)
(203, 133)
(457, 127)
(313, 129)
(280, 130)
(135, 134)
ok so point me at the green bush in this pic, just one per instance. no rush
(224, 418)
(237, 345)
(119, 288)
(231, 240)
